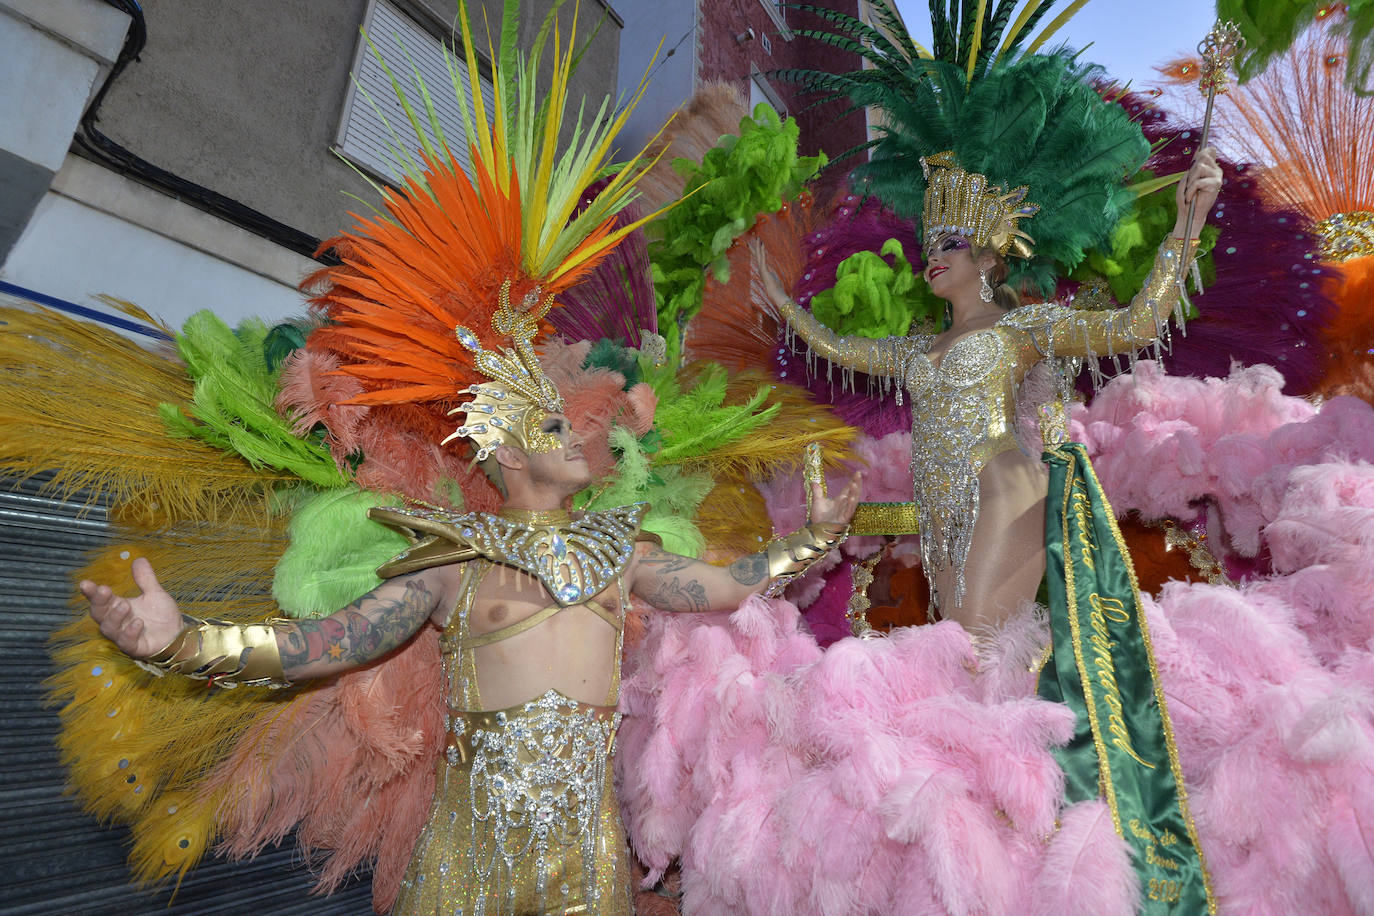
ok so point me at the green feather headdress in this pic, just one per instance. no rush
(1018, 119)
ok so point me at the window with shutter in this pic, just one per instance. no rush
(371, 103)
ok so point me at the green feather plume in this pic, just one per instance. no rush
(231, 405)
(611, 354)
(334, 552)
(1032, 119)
(1126, 261)
(673, 494)
(874, 298)
(743, 176)
(697, 421)
(1270, 27)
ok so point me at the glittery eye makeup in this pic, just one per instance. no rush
(949, 243)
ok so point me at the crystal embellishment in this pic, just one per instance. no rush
(574, 559)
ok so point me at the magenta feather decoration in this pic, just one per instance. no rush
(1270, 298)
(616, 300)
(854, 225)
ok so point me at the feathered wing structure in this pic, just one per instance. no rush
(348, 765)
(136, 748)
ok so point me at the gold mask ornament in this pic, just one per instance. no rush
(962, 203)
(512, 407)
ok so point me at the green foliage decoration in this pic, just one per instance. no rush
(745, 175)
(877, 294)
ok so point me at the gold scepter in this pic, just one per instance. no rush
(1218, 50)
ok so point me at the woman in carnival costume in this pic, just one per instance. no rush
(980, 502)
(920, 773)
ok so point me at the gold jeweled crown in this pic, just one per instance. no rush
(962, 203)
(510, 409)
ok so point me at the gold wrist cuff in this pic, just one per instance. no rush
(791, 556)
(225, 654)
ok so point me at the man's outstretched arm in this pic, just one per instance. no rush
(676, 583)
(150, 627)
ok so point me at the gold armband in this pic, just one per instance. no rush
(223, 653)
(793, 555)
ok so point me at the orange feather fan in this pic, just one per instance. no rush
(1298, 120)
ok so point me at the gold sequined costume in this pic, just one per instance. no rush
(525, 818)
(963, 408)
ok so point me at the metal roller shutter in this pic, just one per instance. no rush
(55, 858)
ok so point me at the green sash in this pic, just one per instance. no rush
(1103, 667)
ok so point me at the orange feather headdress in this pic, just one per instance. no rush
(451, 251)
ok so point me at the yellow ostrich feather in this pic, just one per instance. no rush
(81, 401)
(172, 835)
(778, 446)
(137, 747)
(733, 518)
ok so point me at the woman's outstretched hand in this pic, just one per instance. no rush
(1201, 186)
(141, 625)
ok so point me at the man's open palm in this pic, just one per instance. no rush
(140, 625)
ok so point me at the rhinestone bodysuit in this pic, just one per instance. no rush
(525, 818)
(963, 409)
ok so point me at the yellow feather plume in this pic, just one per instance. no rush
(136, 746)
(778, 446)
(81, 400)
(733, 518)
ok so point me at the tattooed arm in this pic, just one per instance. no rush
(675, 583)
(365, 630)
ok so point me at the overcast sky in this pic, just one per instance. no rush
(1128, 37)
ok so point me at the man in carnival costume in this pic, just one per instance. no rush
(524, 819)
(531, 600)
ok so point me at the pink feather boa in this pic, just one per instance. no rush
(912, 774)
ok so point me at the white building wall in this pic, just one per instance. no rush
(99, 234)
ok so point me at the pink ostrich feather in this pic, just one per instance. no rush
(312, 392)
(914, 773)
(1161, 444)
(850, 772)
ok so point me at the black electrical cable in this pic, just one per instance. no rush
(122, 160)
